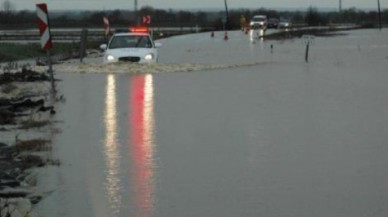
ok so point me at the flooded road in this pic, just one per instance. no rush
(277, 138)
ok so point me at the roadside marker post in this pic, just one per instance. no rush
(308, 40)
(44, 28)
(106, 28)
(83, 44)
(226, 37)
(45, 37)
(224, 20)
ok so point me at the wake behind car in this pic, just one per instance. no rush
(135, 46)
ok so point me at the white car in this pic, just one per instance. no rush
(135, 47)
(259, 21)
(284, 23)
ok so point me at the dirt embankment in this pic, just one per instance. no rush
(25, 105)
(315, 31)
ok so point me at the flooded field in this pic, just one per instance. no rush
(248, 129)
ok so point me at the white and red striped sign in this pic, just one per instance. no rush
(43, 24)
(106, 25)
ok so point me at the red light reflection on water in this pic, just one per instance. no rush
(141, 144)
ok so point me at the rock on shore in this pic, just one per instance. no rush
(25, 104)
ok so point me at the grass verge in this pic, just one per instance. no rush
(14, 52)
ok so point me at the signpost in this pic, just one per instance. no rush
(378, 5)
(45, 37)
(83, 43)
(137, 20)
(226, 14)
(224, 20)
(307, 39)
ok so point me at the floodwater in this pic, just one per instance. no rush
(278, 137)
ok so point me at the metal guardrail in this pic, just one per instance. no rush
(74, 34)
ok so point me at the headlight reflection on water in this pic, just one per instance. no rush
(141, 146)
(112, 157)
(256, 35)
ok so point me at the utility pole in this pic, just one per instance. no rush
(340, 6)
(136, 14)
(378, 5)
(226, 14)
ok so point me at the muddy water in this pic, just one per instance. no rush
(282, 138)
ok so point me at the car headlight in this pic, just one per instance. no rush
(110, 58)
(149, 56)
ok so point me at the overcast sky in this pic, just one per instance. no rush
(194, 4)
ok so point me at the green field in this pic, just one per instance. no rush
(12, 52)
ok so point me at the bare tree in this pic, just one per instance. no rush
(8, 7)
(7, 11)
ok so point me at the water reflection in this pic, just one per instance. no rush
(256, 35)
(261, 34)
(112, 180)
(142, 144)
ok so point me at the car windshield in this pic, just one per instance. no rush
(258, 19)
(273, 20)
(130, 41)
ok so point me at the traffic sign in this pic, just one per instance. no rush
(147, 19)
(44, 28)
(308, 39)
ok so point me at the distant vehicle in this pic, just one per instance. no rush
(259, 22)
(284, 23)
(134, 46)
(273, 23)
